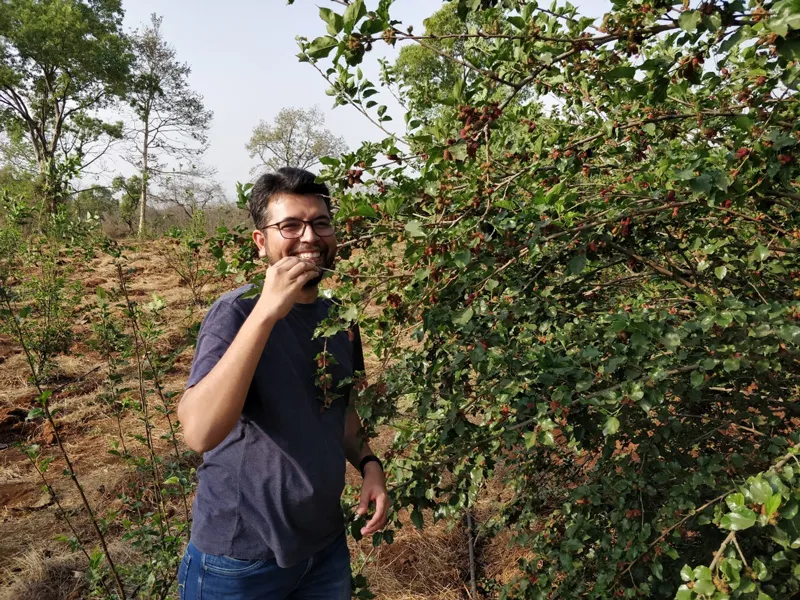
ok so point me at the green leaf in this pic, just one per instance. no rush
(697, 378)
(517, 22)
(731, 568)
(722, 181)
(611, 426)
(671, 341)
(415, 229)
(744, 123)
(731, 364)
(760, 569)
(366, 210)
(459, 151)
(761, 330)
(771, 506)
(622, 73)
(462, 258)
(705, 587)
(760, 253)
(321, 47)
(530, 439)
(735, 501)
(464, 317)
(721, 272)
(701, 184)
(687, 573)
(760, 490)
(703, 572)
(333, 19)
(786, 16)
(743, 518)
(577, 264)
(689, 20)
(350, 313)
(649, 128)
(352, 14)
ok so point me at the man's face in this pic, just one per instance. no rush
(291, 210)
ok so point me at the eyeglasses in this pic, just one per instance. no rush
(295, 228)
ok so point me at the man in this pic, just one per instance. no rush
(267, 520)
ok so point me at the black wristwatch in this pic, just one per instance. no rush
(368, 459)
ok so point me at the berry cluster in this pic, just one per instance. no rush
(475, 121)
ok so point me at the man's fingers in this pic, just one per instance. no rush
(372, 526)
(305, 276)
(363, 505)
(378, 520)
(300, 268)
(284, 262)
(382, 508)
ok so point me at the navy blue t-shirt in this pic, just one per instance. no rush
(272, 488)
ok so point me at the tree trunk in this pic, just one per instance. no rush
(143, 198)
(49, 188)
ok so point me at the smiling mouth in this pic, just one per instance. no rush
(308, 255)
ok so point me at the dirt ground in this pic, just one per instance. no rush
(430, 564)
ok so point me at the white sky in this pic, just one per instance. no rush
(243, 59)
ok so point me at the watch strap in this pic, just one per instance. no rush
(368, 459)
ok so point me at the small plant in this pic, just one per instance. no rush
(42, 327)
(186, 254)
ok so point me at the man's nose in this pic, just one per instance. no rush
(309, 235)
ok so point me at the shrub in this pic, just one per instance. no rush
(584, 254)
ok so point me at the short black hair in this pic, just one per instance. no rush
(286, 180)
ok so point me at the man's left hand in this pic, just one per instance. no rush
(373, 489)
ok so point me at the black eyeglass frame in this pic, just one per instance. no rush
(302, 231)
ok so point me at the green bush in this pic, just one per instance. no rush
(585, 256)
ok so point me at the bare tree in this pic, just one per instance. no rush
(297, 138)
(171, 121)
(190, 190)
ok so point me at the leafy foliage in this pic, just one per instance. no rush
(188, 256)
(61, 61)
(129, 190)
(585, 262)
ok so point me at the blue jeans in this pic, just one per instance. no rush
(324, 576)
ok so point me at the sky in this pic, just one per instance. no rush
(243, 59)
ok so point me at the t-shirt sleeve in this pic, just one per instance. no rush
(219, 328)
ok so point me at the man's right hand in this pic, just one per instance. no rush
(282, 285)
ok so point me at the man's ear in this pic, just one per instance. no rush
(261, 242)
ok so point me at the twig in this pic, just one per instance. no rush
(718, 555)
(653, 265)
(741, 554)
(472, 578)
(81, 378)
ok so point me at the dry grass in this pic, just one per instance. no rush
(40, 575)
(34, 576)
(431, 564)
